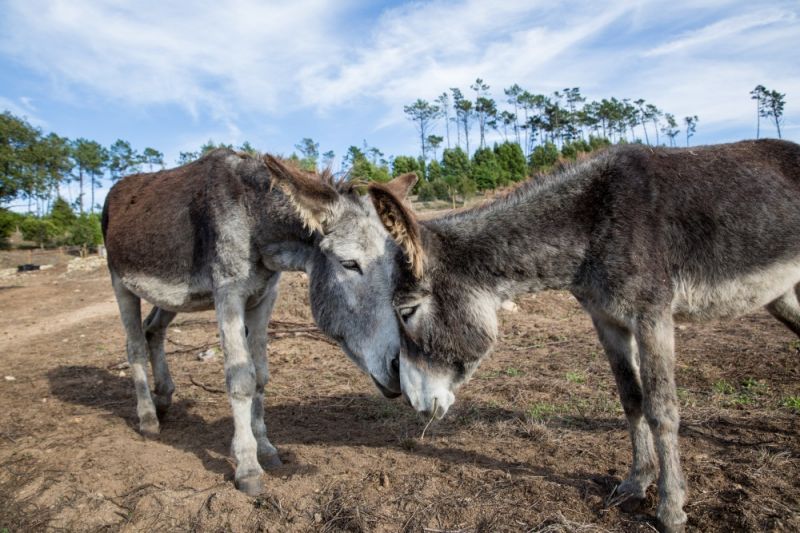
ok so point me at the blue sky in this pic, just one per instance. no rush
(172, 75)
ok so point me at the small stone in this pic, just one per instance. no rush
(176, 330)
(509, 306)
(207, 355)
(11, 378)
(318, 518)
(122, 373)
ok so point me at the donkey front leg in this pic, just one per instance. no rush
(240, 377)
(130, 311)
(155, 331)
(655, 338)
(621, 351)
(787, 309)
(256, 320)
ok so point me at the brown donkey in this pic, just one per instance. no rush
(215, 234)
(641, 236)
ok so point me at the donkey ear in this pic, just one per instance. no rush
(314, 200)
(400, 221)
(402, 185)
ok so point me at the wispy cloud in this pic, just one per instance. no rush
(722, 29)
(230, 64)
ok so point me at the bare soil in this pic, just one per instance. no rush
(536, 442)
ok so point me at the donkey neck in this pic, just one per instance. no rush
(534, 239)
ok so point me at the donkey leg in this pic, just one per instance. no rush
(131, 313)
(787, 310)
(155, 329)
(256, 320)
(655, 338)
(621, 351)
(240, 377)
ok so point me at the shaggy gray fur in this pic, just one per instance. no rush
(642, 237)
(214, 234)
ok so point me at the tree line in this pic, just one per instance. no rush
(467, 144)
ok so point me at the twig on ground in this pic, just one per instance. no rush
(205, 387)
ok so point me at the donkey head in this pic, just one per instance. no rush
(447, 325)
(350, 267)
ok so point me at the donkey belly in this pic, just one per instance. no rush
(696, 300)
(177, 296)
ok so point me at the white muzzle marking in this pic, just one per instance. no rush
(426, 389)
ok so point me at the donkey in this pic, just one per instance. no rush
(215, 234)
(641, 237)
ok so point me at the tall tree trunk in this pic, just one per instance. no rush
(80, 182)
(758, 117)
(466, 132)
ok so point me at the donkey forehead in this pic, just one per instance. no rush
(357, 232)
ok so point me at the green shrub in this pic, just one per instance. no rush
(39, 230)
(8, 223)
(85, 230)
(543, 157)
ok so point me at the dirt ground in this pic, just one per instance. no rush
(535, 442)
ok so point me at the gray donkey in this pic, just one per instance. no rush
(642, 237)
(215, 234)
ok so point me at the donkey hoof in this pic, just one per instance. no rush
(150, 432)
(149, 427)
(250, 485)
(161, 411)
(671, 528)
(632, 503)
(270, 460)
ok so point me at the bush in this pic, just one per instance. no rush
(485, 170)
(425, 192)
(8, 223)
(543, 157)
(511, 161)
(39, 230)
(85, 230)
(598, 142)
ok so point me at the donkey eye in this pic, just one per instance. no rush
(351, 265)
(407, 312)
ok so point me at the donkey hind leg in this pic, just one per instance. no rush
(131, 313)
(240, 377)
(256, 320)
(155, 329)
(655, 338)
(787, 309)
(622, 355)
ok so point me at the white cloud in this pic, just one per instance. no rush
(22, 108)
(226, 60)
(210, 57)
(720, 30)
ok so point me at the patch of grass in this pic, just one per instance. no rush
(792, 402)
(747, 393)
(576, 377)
(541, 410)
(723, 387)
(513, 372)
(408, 444)
(795, 345)
(754, 387)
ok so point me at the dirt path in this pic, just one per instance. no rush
(536, 442)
